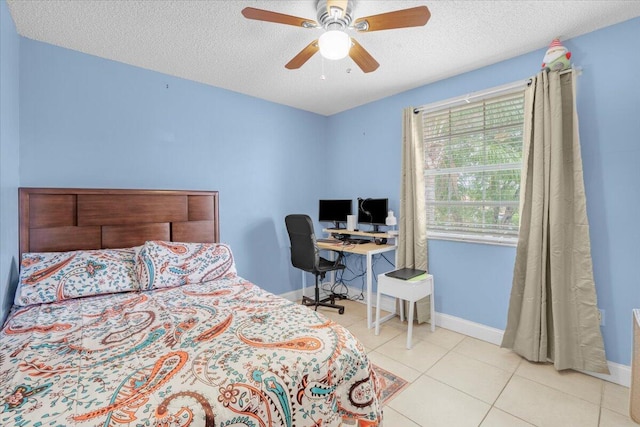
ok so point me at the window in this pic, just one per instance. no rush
(473, 156)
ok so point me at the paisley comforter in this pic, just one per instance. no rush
(220, 353)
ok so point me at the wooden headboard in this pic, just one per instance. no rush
(65, 219)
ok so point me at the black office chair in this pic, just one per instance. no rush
(305, 256)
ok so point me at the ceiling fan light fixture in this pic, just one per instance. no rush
(334, 44)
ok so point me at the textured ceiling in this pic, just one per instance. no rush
(212, 43)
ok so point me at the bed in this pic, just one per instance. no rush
(130, 312)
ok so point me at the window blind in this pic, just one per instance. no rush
(473, 155)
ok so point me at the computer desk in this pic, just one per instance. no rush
(366, 249)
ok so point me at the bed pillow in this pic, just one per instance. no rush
(167, 264)
(54, 276)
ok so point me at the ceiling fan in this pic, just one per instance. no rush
(335, 17)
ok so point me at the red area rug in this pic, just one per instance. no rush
(391, 384)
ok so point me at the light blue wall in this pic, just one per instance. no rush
(9, 157)
(473, 281)
(91, 122)
(609, 108)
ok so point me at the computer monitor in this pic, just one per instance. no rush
(373, 211)
(334, 210)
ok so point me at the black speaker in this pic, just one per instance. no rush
(380, 240)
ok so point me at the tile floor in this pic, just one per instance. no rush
(456, 380)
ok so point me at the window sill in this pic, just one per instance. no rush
(485, 240)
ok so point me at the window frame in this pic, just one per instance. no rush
(515, 90)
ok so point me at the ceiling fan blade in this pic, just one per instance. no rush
(413, 17)
(304, 55)
(278, 18)
(337, 4)
(362, 58)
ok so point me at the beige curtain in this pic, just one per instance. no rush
(412, 238)
(553, 312)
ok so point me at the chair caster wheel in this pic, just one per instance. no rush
(341, 311)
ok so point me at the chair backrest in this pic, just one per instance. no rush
(304, 252)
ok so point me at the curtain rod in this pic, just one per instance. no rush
(504, 89)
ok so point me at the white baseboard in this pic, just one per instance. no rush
(386, 302)
(472, 329)
(293, 295)
(619, 374)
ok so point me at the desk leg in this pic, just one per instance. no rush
(332, 274)
(433, 307)
(378, 312)
(369, 290)
(410, 322)
(304, 284)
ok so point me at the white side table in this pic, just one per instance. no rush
(409, 290)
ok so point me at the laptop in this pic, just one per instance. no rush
(405, 273)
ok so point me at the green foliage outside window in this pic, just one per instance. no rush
(473, 156)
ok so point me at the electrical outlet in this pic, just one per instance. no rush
(601, 316)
